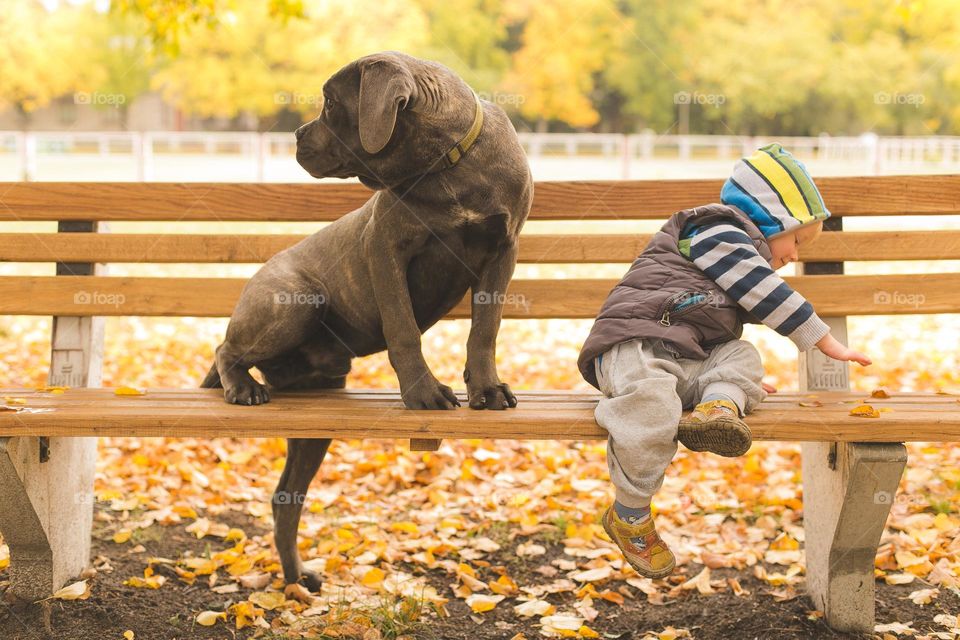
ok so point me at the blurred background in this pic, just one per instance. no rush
(155, 89)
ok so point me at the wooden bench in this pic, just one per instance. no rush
(851, 465)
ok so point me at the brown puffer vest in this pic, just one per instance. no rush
(642, 304)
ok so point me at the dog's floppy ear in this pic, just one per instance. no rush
(385, 88)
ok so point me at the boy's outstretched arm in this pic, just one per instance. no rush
(725, 253)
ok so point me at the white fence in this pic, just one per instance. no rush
(243, 156)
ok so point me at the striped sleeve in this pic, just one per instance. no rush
(727, 256)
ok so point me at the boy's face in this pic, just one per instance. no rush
(785, 247)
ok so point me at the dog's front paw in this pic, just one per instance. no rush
(247, 393)
(311, 580)
(496, 397)
(430, 394)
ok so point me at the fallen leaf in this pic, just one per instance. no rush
(865, 411)
(268, 600)
(480, 603)
(76, 591)
(898, 628)
(534, 608)
(530, 549)
(592, 575)
(373, 577)
(210, 618)
(924, 596)
(128, 391)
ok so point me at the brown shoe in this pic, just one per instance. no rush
(715, 426)
(650, 555)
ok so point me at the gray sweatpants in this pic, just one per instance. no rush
(645, 389)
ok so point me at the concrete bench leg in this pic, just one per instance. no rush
(46, 484)
(46, 511)
(847, 492)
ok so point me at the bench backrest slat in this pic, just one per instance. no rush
(527, 298)
(573, 200)
(534, 248)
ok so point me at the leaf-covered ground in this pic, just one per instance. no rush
(482, 539)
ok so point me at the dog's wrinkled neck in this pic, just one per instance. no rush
(431, 94)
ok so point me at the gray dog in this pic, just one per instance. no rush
(453, 190)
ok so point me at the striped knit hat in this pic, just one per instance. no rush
(775, 190)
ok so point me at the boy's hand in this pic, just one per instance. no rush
(832, 347)
(769, 388)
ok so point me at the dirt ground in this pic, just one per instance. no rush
(168, 613)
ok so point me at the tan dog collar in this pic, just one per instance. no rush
(458, 150)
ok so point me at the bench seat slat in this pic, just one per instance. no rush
(339, 414)
(553, 200)
(534, 248)
(831, 295)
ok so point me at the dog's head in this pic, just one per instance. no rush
(385, 118)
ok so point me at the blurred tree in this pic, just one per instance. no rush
(44, 55)
(127, 58)
(566, 44)
(649, 70)
(168, 21)
(751, 70)
(248, 63)
(470, 37)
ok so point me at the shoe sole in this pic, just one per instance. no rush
(726, 437)
(646, 573)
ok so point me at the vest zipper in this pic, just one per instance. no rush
(665, 317)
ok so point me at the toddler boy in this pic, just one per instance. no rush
(668, 336)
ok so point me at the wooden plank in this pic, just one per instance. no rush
(86, 412)
(576, 298)
(534, 248)
(553, 200)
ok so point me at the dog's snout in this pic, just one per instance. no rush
(302, 129)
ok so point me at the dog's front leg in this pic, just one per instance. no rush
(388, 254)
(484, 389)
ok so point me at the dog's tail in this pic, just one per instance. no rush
(212, 381)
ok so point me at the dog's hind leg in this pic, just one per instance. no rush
(272, 318)
(304, 457)
(303, 460)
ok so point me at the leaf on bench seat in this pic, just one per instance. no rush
(865, 411)
(128, 391)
